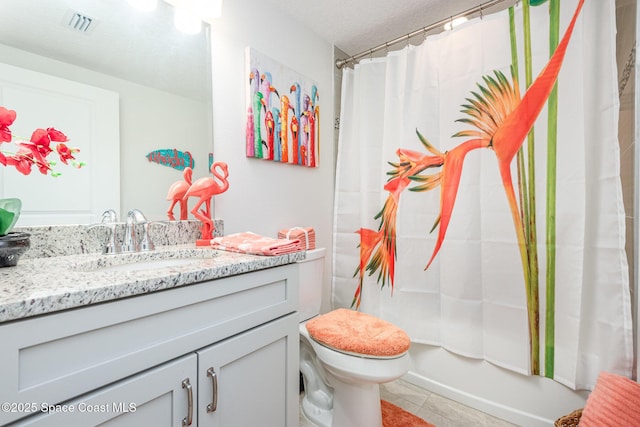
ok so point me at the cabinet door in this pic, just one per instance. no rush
(251, 379)
(157, 397)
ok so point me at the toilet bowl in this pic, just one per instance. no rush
(341, 383)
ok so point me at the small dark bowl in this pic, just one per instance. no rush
(12, 246)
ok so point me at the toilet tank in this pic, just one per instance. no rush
(311, 279)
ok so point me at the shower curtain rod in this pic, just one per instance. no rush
(341, 62)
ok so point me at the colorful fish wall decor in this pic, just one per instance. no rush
(283, 113)
(172, 158)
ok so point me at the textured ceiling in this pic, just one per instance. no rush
(141, 47)
(133, 45)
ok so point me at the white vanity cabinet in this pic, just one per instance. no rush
(139, 361)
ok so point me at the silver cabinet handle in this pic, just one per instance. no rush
(211, 407)
(189, 418)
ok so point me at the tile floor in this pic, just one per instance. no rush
(437, 410)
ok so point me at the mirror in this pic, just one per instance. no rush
(162, 78)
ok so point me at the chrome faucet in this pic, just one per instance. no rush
(109, 219)
(131, 243)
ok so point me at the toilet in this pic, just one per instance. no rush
(341, 370)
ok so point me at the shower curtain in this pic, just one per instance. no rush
(456, 225)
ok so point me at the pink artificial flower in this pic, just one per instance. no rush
(65, 152)
(56, 136)
(35, 153)
(22, 161)
(6, 119)
(42, 141)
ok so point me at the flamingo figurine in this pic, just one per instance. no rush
(205, 188)
(177, 193)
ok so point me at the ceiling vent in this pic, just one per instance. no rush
(79, 22)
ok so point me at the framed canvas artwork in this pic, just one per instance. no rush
(283, 113)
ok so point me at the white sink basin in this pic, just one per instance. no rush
(140, 261)
(149, 264)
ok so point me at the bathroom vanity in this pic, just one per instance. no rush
(210, 341)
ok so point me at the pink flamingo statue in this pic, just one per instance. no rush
(177, 193)
(206, 188)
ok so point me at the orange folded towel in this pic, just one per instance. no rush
(614, 402)
(255, 244)
(307, 236)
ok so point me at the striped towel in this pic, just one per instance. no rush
(307, 236)
(255, 244)
(614, 402)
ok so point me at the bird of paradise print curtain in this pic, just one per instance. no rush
(479, 206)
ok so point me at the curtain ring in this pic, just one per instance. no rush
(386, 48)
(481, 13)
(370, 54)
(425, 33)
(407, 41)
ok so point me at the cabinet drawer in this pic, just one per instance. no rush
(56, 357)
(153, 398)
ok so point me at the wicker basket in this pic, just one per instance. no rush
(569, 420)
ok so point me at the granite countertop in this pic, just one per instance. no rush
(44, 285)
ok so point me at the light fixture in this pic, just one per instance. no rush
(209, 9)
(186, 21)
(216, 9)
(144, 5)
(454, 23)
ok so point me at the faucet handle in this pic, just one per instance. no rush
(131, 244)
(110, 247)
(109, 216)
(146, 244)
(149, 231)
(129, 240)
(136, 216)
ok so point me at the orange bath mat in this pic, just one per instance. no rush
(394, 416)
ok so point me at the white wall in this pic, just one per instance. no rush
(266, 196)
(626, 12)
(636, 206)
(522, 400)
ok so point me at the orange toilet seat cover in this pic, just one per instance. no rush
(354, 332)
